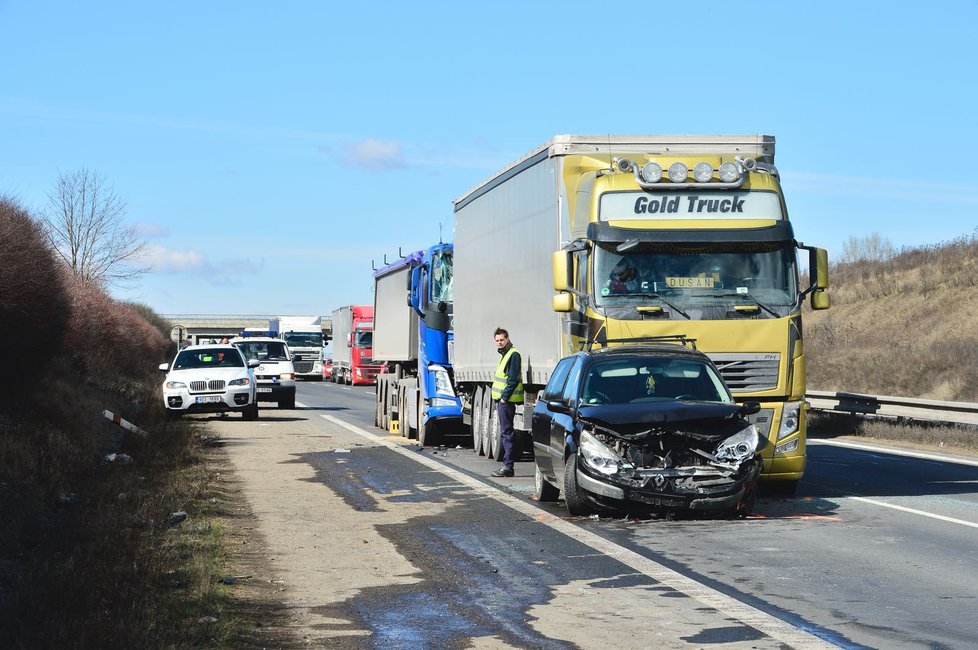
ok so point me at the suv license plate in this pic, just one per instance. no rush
(264, 390)
(208, 399)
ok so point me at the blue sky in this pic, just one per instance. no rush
(269, 153)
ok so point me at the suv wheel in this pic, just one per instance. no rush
(250, 412)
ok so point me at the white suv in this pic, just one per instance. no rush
(210, 379)
(275, 374)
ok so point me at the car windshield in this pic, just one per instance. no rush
(264, 350)
(635, 380)
(208, 358)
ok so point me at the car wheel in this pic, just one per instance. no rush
(250, 412)
(575, 501)
(545, 491)
(173, 414)
(747, 505)
(477, 421)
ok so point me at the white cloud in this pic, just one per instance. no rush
(226, 273)
(374, 155)
(147, 230)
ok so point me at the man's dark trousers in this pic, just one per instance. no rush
(505, 413)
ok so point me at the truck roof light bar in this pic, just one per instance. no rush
(731, 174)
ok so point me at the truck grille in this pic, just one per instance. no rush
(748, 373)
(302, 366)
(201, 386)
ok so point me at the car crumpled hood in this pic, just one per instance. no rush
(708, 418)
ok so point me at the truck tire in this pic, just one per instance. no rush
(495, 436)
(477, 421)
(425, 434)
(486, 422)
(575, 502)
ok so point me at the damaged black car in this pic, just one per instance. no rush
(649, 428)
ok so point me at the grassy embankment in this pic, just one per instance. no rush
(87, 555)
(902, 326)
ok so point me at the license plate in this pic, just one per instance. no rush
(264, 390)
(208, 399)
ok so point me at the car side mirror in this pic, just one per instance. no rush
(253, 363)
(750, 407)
(164, 367)
(558, 407)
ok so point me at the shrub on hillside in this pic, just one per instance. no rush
(33, 303)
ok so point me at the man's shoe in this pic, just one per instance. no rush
(503, 472)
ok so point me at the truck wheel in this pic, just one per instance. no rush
(576, 505)
(486, 422)
(476, 417)
(495, 437)
(546, 492)
(423, 437)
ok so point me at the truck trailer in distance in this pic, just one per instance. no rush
(639, 236)
(412, 336)
(353, 346)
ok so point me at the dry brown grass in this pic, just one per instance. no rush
(904, 326)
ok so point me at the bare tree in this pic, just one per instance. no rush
(84, 224)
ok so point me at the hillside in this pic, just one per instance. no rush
(902, 326)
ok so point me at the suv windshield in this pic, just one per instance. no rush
(643, 379)
(208, 358)
(264, 350)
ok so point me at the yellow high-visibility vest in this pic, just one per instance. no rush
(499, 383)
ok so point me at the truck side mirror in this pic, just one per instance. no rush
(562, 267)
(819, 268)
(563, 302)
(820, 300)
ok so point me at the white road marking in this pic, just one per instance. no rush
(913, 511)
(725, 605)
(895, 451)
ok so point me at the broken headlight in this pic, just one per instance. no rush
(739, 446)
(599, 456)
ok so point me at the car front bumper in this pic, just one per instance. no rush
(707, 493)
(231, 399)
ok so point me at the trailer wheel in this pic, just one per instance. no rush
(495, 436)
(477, 421)
(378, 402)
(487, 423)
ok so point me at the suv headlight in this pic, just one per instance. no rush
(789, 419)
(175, 384)
(244, 381)
(443, 385)
(599, 456)
(740, 446)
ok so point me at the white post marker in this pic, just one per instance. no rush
(125, 424)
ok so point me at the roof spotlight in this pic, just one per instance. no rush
(622, 164)
(729, 172)
(651, 172)
(703, 172)
(678, 172)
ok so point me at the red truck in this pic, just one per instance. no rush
(353, 346)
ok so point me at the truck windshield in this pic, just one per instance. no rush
(364, 339)
(303, 339)
(441, 277)
(703, 281)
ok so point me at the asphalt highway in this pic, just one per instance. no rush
(878, 549)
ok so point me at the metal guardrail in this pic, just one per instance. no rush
(894, 407)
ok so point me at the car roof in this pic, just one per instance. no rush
(645, 349)
(256, 339)
(209, 346)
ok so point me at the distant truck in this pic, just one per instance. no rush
(639, 236)
(304, 336)
(412, 336)
(353, 362)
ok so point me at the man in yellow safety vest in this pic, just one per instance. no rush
(507, 392)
